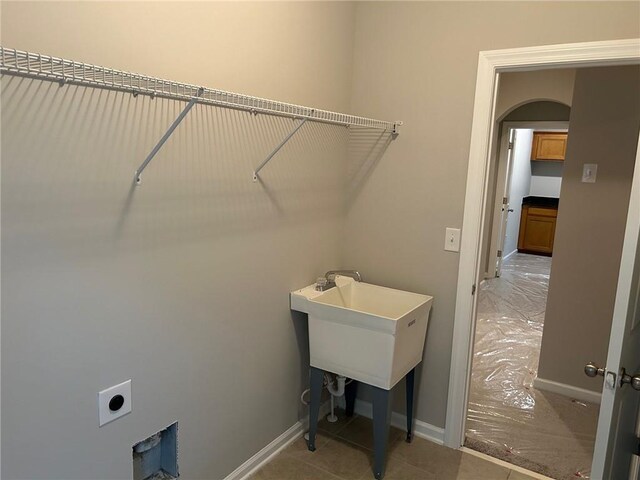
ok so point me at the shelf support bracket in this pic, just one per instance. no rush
(277, 149)
(396, 129)
(168, 133)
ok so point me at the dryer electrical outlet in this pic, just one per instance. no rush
(114, 402)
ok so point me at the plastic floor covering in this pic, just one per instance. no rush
(507, 418)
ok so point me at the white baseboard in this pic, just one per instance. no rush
(509, 254)
(265, 455)
(420, 429)
(567, 390)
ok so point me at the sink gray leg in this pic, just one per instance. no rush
(317, 377)
(409, 379)
(350, 392)
(381, 423)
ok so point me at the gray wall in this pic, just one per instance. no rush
(182, 283)
(545, 87)
(519, 187)
(539, 111)
(417, 61)
(605, 121)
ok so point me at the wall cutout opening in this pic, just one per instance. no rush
(156, 457)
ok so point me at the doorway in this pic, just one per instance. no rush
(507, 417)
(522, 180)
(470, 264)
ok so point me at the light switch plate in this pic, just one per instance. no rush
(108, 413)
(589, 172)
(452, 240)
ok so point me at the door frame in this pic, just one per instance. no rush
(503, 172)
(490, 65)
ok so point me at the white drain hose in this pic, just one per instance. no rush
(302, 396)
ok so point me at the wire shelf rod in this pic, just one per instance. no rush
(44, 67)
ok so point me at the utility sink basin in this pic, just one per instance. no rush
(370, 333)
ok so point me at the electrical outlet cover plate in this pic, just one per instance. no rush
(105, 414)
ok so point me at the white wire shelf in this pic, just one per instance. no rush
(44, 67)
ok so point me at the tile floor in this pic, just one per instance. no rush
(508, 418)
(344, 452)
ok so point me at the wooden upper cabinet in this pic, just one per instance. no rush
(549, 146)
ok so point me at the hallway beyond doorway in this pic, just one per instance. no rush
(507, 417)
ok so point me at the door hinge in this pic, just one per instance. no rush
(510, 145)
(499, 253)
(505, 200)
(473, 289)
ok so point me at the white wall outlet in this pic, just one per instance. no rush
(114, 402)
(589, 172)
(452, 240)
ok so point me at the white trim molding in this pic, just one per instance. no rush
(568, 390)
(420, 429)
(490, 65)
(266, 454)
(509, 254)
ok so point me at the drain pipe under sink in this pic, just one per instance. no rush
(335, 392)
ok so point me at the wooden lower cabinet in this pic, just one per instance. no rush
(537, 229)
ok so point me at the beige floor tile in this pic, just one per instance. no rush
(300, 446)
(360, 432)
(513, 475)
(409, 472)
(447, 464)
(337, 427)
(422, 453)
(288, 468)
(400, 470)
(473, 468)
(339, 457)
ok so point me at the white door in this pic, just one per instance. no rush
(504, 200)
(617, 434)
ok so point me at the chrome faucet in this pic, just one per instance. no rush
(329, 280)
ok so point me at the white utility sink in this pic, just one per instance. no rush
(370, 333)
